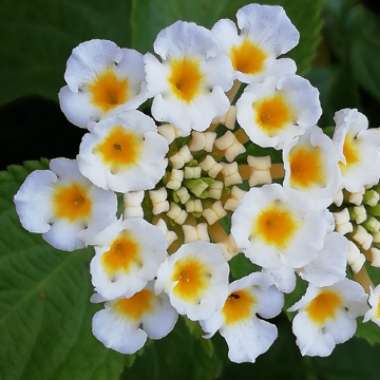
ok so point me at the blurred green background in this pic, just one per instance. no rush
(45, 315)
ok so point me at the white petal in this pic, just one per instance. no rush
(310, 339)
(115, 332)
(342, 328)
(32, 201)
(330, 265)
(269, 26)
(283, 277)
(162, 320)
(246, 341)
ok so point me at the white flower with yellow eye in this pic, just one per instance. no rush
(265, 33)
(125, 259)
(195, 278)
(64, 206)
(311, 169)
(102, 79)
(373, 314)
(189, 82)
(275, 231)
(359, 148)
(275, 111)
(327, 316)
(125, 323)
(124, 153)
(247, 335)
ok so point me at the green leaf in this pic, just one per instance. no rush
(180, 355)
(305, 14)
(45, 314)
(38, 36)
(241, 266)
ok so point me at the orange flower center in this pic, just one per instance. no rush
(238, 306)
(136, 306)
(324, 306)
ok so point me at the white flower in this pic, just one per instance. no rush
(124, 153)
(102, 79)
(311, 169)
(327, 316)
(247, 335)
(359, 148)
(63, 205)
(274, 230)
(125, 258)
(195, 278)
(265, 33)
(125, 323)
(373, 314)
(188, 83)
(275, 111)
(330, 265)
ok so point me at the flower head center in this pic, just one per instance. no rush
(136, 306)
(324, 306)
(238, 306)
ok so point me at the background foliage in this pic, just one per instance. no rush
(45, 330)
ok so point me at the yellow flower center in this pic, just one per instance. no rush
(247, 57)
(275, 225)
(123, 253)
(238, 306)
(120, 148)
(273, 114)
(136, 306)
(185, 78)
(377, 313)
(108, 91)
(306, 166)
(324, 306)
(72, 202)
(191, 277)
(350, 152)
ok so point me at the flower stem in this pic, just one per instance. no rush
(231, 93)
(362, 277)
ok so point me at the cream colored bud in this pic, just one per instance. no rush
(342, 217)
(159, 195)
(344, 228)
(207, 163)
(229, 247)
(260, 163)
(230, 118)
(231, 204)
(356, 198)
(210, 216)
(133, 212)
(376, 237)
(193, 172)
(190, 233)
(198, 140)
(194, 205)
(168, 131)
(133, 198)
(179, 159)
(338, 200)
(171, 236)
(215, 170)
(175, 179)
(359, 214)
(183, 195)
(237, 192)
(209, 141)
(225, 141)
(234, 150)
(355, 258)
(203, 232)
(362, 237)
(177, 214)
(230, 169)
(233, 179)
(375, 257)
(215, 193)
(260, 177)
(160, 207)
(219, 210)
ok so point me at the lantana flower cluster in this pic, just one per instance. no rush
(168, 200)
